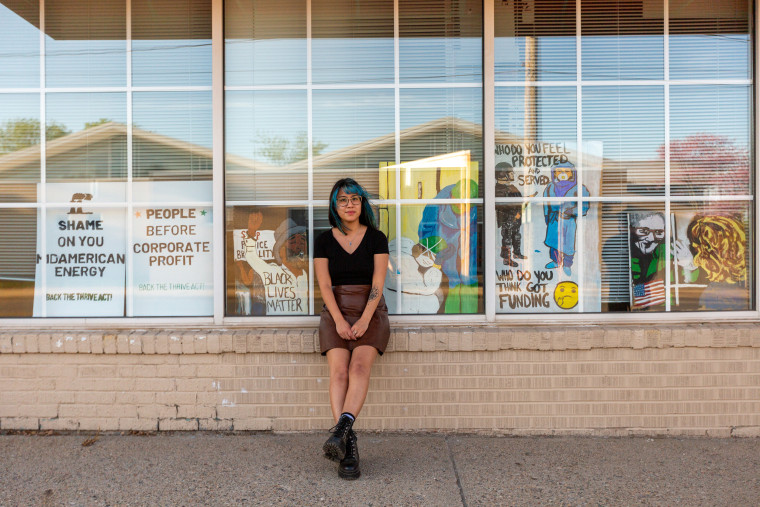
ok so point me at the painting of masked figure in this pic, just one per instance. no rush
(547, 233)
(434, 264)
(269, 266)
(708, 262)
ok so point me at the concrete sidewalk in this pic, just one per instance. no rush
(397, 469)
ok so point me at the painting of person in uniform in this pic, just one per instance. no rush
(508, 216)
(445, 226)
(285, 281)
(561, 217)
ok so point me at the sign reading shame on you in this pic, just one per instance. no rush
(85, 260)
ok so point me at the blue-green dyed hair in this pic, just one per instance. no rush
(350, 186)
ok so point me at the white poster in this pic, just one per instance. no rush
(171, 251)
(547, 251)
(85, 247)
(85, 264)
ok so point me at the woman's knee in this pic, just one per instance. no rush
(359, 369)
(339, 373)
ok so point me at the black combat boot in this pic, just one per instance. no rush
(349, 466)
(335, 447)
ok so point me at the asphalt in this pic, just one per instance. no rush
(397, 469)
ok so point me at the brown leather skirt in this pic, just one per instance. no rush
(352, 299)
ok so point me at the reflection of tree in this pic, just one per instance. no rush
(90, 124)
(708, 163)
(24, 132)
(280, 150)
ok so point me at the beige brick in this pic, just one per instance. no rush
(109, 344)
(200, 343)
(98, 424)
(478, 338)
(267, 340)
(225, 342)
(428, 339)
(148, 343)
(308, 342)
(19, 423)
(134, 340)
(400, 339)
(465, 339)
(492, 339)
(18, 344)
(82, 343)
(36, 410)
(178, 424)
(122, 343)
(195, 411)
(213, 343)
(188, 343)
(154, 384)
(59, 423)
(294, 341)
(132, 424)
(746, 431)
(415, 339)
(215, 424)
(96, 343)
(162, 342)
(57, 343)
(176, 398)
(6, 344)
(254, 424)
(175, 343)
(154, 412)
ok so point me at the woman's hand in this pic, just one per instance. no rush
(344, 330)
(360, 327)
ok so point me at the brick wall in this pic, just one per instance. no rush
(611, 380)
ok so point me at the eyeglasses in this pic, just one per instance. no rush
(644, 231)
(356, 200)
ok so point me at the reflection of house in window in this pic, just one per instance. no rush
(96, 154)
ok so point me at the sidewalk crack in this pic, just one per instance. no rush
(456, 472)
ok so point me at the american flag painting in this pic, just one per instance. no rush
(648, 294)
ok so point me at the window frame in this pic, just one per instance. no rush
(489, 317)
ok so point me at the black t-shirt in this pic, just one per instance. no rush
(351, 269)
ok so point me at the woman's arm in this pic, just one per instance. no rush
(378, 281)
(325, 286)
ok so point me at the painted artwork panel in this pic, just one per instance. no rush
(712, 261)
(268, 261)
(547, 235)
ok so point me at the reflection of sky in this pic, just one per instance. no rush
(346, 117)
(555, 58)
(19, 50)
(182, 115)
(626, 57)
(85, 62)
(360, 60)
(437, 59)
(264, 62)
(14, 106)
(75, 109)
(253, 116)
(172, 62)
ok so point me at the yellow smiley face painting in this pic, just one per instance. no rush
(566, 295)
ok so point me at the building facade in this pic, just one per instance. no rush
(568, 190)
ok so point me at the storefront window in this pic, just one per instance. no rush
(623, 173)
(405, 124)
(614, 195)
(112, 213)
